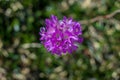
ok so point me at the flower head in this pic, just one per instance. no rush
(61, 36)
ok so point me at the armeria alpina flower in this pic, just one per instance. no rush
(61, 36)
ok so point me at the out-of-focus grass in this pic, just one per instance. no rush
(96, 59)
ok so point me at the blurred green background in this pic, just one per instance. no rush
(22, 57)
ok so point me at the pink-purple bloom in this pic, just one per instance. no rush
(61, 36)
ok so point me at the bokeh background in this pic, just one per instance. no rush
(22, 57)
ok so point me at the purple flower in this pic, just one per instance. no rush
(61, 36)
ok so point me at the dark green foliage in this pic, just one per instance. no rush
(98, 57)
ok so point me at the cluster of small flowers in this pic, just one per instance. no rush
(61, 36)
